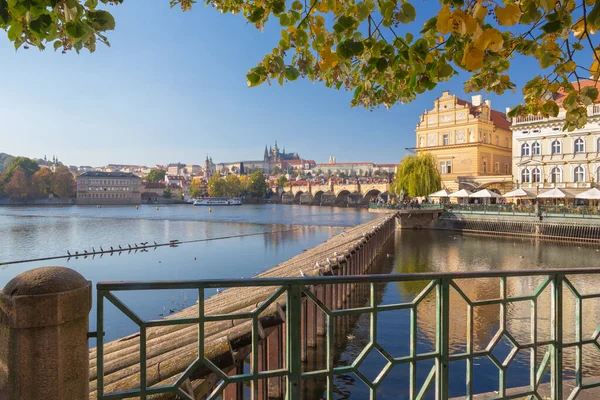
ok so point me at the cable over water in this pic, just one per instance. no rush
(143, 247)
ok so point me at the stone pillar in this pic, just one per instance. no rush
(43, 335)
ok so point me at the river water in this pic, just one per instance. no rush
(282, 232)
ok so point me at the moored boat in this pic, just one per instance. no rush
(218, 201)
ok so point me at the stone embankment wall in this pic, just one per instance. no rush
(171, 349)
(5, 201)
(575, 229)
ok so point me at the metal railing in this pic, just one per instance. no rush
(407, 206)
(511, 209)
(544, 352)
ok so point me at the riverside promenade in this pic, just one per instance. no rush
(171, 350)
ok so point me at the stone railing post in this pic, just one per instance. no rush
(43, 335)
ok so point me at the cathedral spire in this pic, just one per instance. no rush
(266, 156)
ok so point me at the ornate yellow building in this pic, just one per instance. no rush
(470, 141)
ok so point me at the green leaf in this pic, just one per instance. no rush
(349, 48)
(593, 17)
(91, 3)
(41, 26)
(278, 7)
(552, 27)
(407, 14)
(75, 29)
(590, 92)
(15, 30)
(291, 73)
(256, 15)
(57, 44)
(255, 76)
(363, 11)
(101, 20)
(550, 107)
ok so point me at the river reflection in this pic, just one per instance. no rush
(424, 251)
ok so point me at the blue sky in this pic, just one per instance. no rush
(172, 88)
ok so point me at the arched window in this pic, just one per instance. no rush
(536, 149)
(536, 175)
(579, 145)
(556, 175)
(579, 174)
(525, 149)
(598, 144)
(556, 147)
(598, 175)
(525, 176)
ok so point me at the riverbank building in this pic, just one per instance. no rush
(471, 142)
(546, 157)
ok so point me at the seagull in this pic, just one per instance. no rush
(328, 260)
(129, 246)
(389, 255)
(521, 257)
(135, 244)
(93, 250)
(156, 244)
(101, 249)
(218, 290)
(76, 253)
(120, 247)
(317, 265)
(335, 253)
(111, 249)
(85, 251)
(302, 273)
(194, 258)
(69, 253)
(144, 243)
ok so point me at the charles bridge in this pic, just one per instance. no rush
(331, 194)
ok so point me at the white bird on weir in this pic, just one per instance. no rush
(328, 260)
(317, 265)
(302, 273)
(335, 253)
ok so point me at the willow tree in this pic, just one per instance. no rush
(376, 48)
(417, 176)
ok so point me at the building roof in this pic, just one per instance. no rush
(115, 174)
(386, 165)
(345, 163)
(175, 177)
(498, 118)
(560, 95)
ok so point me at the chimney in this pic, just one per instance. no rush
(488, 103)
(507, 110)
(476, 100)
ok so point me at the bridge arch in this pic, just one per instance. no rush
(341, 198)
(371, 194)
(297, 196)
(317, 197)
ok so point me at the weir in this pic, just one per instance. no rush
(240, 325)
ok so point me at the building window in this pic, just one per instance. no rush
(484, 166)
(525, 149)
(556, 175)
(505, 169)
(505, 142)
(536, 149)
(497, 168)
(497, 140)
(579, 145)
(598, 144)
(536, 175)
(556, 147)
(445, 167)
(598, 174)
(525, 176)
(446, 140)
(579, 174)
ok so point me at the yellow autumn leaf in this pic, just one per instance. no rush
(328, 59)
(480, 11)
(428, 58)
(569, 66)
(322, 6)
(579, 28)
(595, 69)
(504, 78)
(490, 39)
(473, 58)
(509, 15)
(548, 5)
(444, 22)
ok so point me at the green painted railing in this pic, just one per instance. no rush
(510, 209)
(385, 206)
(297, 291)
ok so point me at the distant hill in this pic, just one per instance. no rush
(5, 160)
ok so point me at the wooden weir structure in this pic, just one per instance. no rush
(171, 349)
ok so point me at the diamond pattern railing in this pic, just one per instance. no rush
(545, 354)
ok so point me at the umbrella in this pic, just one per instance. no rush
(440, 193)
(519, 193)
(554, 194)
(460, 193)
(591, 194)
(485, 194)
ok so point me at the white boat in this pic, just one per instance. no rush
(218, 201)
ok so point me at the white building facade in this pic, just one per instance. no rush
(545, 156)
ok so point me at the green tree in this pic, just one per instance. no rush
(417, 176)
(257, 187)
(282, 181)
(233, 186)
(216, 186)
(359, 46)
(167, 193)
(63, 183)
(155, 175)
(28, 166)
(5, 161)
(196, 189)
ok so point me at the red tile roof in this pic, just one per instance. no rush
(498, 118)
(560, 95)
